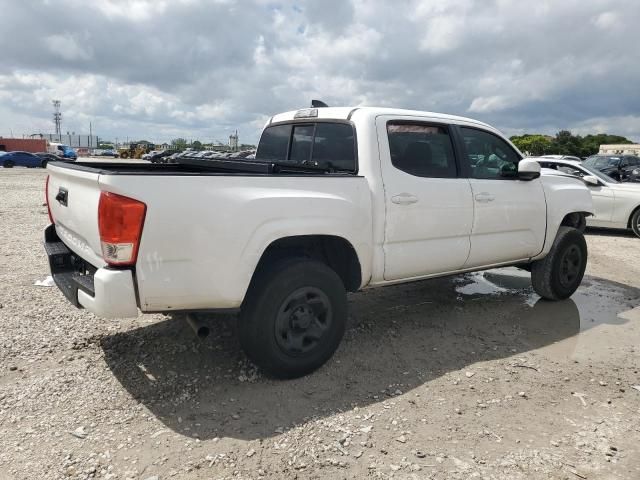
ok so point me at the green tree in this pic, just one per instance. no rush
(532, 144)
(196, 145)
(565, 143)
(180, 143)
(591, 143)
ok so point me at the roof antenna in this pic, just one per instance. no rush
(318, 104)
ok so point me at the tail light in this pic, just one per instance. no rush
(120, 221)
(46, 199)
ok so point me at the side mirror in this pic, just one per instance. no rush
(528, 169)
(591, 180)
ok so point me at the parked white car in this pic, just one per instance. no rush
(336, 200)
(562, 157)
(616, 204)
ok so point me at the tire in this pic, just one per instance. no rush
(581, 224)
(558, 275)
(293, 317)
(8, 164)
(635, 222)
(43, 164)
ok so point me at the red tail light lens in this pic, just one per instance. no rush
(46, 199)
(120, 221)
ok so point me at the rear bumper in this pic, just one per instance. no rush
(106, 292)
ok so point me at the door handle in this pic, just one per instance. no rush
(404, 199)
(484, 197)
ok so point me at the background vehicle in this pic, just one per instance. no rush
(22, 159)
(62, 150)
(618, 167)
(108, 153)
(135, 150)
(336, 200)
(159, 156)
(562, 157)
(48, 157)
(615, 204)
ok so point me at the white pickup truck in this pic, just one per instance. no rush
(336, 200)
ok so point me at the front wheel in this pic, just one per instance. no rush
(635, 222)
(558, 275)
(293, 317)
(7, 164)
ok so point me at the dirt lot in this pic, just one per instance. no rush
(466, 377)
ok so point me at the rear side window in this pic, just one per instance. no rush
(421, 150)
(322, 144)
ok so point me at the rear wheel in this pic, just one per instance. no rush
(293, 317)
(559, 274)
(635, 222)
(43, 164)
(8, 164)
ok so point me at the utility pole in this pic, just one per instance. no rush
(57, 116)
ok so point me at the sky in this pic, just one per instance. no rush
(200, 69)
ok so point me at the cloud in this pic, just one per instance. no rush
(67, 47)
(202, 68)
(606, 20)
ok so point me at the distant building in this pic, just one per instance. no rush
(233, 141)
(622, 149)
(32, 145)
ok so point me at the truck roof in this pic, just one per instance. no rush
(346, 113)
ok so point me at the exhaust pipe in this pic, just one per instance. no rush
(200, 328)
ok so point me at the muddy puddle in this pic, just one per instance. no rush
(601, 319)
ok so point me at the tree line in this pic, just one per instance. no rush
(565, 143)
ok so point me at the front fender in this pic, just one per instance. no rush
(564, 195)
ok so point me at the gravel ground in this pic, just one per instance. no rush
(457, 378)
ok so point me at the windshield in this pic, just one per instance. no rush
(599, 174)
(602, 162)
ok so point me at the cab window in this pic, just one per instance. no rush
(421, 150)
(330, 145)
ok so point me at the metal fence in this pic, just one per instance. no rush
(74, 141)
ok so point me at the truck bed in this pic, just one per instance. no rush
(205, 227)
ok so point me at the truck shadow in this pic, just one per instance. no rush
(399, 338)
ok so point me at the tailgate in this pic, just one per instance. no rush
(73, 197)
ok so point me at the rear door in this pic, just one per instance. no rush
(510, 217)
(429, 208)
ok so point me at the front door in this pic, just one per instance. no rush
(429, 207)
(603, 205)
(510, 217)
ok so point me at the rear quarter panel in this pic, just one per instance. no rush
(204, 235)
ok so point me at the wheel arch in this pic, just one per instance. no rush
(575, 220)
(335, 251)
(633, 212)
